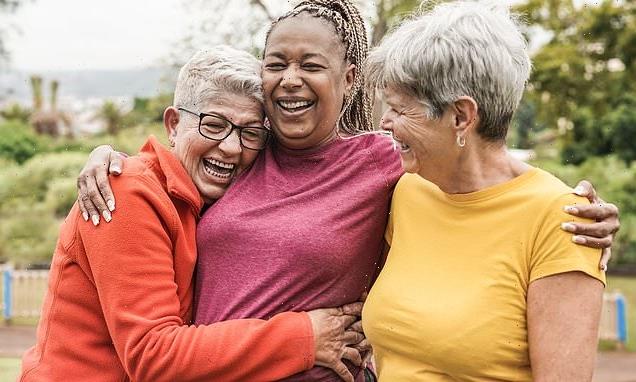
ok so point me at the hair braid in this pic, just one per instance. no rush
(345, 17)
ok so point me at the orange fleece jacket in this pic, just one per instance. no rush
(119, 300)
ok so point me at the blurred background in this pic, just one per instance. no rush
(75, 74)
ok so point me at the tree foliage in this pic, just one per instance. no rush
(584, 78)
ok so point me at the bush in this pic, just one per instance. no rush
(33, 198)
(28, 235)
(31, 181)
(18, 142)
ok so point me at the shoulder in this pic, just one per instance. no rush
(140, 174)
(550, 192)
(140, 191)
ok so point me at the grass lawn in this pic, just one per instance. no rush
(627, 286)
(9, 369)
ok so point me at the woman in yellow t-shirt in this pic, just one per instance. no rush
(479, 284)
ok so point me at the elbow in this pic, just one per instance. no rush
(151, 358)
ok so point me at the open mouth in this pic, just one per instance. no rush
(218, 169)
(399, 144)
(295, 106)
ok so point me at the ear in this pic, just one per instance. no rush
(351, 71)
(170, 122)
(466, 115)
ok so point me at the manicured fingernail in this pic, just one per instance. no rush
(116, 170)
(603, 267)
(106, 216)
(85, 216)
(95, 219)
(578, 239)
(111, 205)
(579, 191)
(571, 209)
(568, 227)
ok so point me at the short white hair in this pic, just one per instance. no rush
(216, 72)
(461, 48)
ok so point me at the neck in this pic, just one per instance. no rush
(478, 166)
(302, 147)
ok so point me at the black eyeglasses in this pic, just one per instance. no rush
(217, 128)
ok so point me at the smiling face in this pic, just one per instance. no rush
(212, 165)
(305, 79)
(425, 144)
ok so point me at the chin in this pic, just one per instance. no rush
(211, 193)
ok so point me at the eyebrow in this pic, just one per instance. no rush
(282, 56)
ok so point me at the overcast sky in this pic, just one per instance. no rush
(90, 34)
(81, 34)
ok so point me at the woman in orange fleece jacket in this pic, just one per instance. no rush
(113, 316)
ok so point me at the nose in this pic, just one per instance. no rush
(386, 122)
(231, 145)
(291, 78)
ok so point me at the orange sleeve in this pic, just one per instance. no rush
(131, 260)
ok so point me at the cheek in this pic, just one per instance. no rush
(269, 82)
(193, 147)
(247, 158)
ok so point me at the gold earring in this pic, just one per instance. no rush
(461, 141)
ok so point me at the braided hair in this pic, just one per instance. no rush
(345, 17)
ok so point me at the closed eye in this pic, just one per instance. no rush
(312, 67)
(275, 66)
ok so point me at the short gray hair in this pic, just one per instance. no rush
(462, 48)
(216, 72)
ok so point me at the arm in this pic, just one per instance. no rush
(600, 233)
(563, 318)
(133, 269)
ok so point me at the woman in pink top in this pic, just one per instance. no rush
(304, 226)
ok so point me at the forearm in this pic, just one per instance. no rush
(236, 350)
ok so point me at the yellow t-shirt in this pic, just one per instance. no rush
(450, 303)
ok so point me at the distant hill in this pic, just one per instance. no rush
(84, 84)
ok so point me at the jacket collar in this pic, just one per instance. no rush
(169, 169)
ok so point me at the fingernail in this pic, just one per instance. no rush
(568, 227)
(578, 239)
(580, 191)
(95, 219)
(111, 205)
(603, 267)
(85, 216)
(106, 216)
(571, 209)
(116, 170)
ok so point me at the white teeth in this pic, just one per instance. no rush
(229, 166)
(214, 173)
(218, 169)
(294, 104)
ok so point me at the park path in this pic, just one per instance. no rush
(611, 366)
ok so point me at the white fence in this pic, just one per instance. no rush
(22, 295)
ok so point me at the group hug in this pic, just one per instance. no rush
(281, 235)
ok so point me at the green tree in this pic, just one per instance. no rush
(586, 71)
